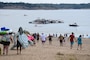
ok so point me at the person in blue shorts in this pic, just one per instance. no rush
(79, 41)
(72, 38)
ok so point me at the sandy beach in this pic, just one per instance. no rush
(51, 52)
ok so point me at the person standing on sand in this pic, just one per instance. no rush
(43, 38)
(61, 39)
(72, 38)
(15, 41)
(20, 32)
(50, 39)
(37, 37)
(6, 42)
(79, 41)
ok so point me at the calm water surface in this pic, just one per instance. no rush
(15, 18)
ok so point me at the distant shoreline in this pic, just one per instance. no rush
(45, 9)
(43, 6)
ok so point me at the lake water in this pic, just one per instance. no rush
(15, 18)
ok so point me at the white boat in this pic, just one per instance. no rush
(74, 25)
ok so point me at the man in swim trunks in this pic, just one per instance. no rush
(71, 38)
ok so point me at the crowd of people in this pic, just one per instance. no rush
(33, 39)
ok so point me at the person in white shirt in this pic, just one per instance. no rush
(43, 38)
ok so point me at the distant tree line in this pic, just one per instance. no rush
(46, 6)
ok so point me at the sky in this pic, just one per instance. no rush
(49, 1)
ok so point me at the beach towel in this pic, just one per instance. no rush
(30, 37)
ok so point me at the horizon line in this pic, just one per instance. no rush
(45, 3)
